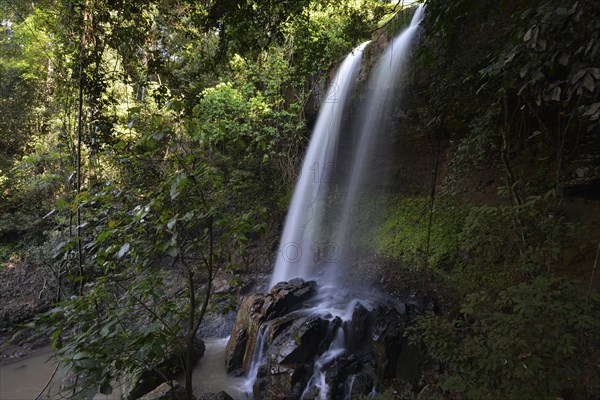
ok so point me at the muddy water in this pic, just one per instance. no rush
(209, 374)
(24, 378)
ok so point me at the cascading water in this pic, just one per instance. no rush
(335, 305)
(318, 378)
(300, 231)
(258, 357)
(303, 223)
(383, 87)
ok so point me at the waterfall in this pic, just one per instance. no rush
(348, 387)
(384, 85)
(302, 244)
(258, 357)
(300, 234)
(317, 380)
(308, 233)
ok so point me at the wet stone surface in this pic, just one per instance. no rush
(314, 343)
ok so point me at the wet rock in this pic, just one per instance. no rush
(144, 381)
(284, 298)
(387, 339)
(282, 383)
(299, 343)
(358, 327)
(311, 393)
(375, 348)
(341, 373)
(279, 325)
(217, 325)
(165, 391)
(222, 395)
(361, 384)
(290, 358)
(332, 331)
(238, 352)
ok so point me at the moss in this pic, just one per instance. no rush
(404, 232)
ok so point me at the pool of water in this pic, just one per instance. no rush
(24, 378)
(210, 375)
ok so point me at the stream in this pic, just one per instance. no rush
(24, 378)
(209, 373)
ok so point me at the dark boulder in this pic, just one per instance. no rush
(144, 381)
(358, 327)
(299, 343)
(238, 352)
(222, 395)
(360, 384)
(166, 391)
(284, 298)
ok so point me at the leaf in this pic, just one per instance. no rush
(171, 223)
(106, 389)
(173, 251)
(91, 392)
(578, 75)
(81, 355)
(554, 94)
(593, 112)
(564, 58)
(534, 134)
(124, 249)
(529, 34)
(588, 83)
(595, 72)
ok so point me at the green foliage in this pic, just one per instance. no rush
(108, 342)
(524, 239)
(532, 340)
(5, 253)
(327, 30)
(536, 64)
(404, 234)
(553, 58)
(389, 394)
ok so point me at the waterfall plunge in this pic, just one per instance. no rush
(301, 246)
(383, 87)
(300, 234)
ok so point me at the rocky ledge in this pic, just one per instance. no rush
(297, 348)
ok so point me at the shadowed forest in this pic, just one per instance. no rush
(149, 152)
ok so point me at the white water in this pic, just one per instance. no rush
(258, 357)
(318, 378)
(302, 245)
(383, 88)
(303, 228)
(349, 386)
(300, 234)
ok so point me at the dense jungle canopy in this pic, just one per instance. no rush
(150, 148)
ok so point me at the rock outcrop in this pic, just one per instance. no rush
(306, 349)
(258, 308)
